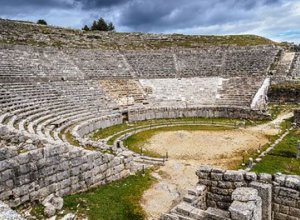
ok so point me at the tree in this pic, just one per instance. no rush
(94, 26)
(85, 28)
(111, 26)
(42, 22)
(100, 25)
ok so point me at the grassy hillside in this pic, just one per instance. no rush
(12, 32)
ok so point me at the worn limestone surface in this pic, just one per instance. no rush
(29, 175)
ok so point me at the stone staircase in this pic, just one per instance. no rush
(193, 206)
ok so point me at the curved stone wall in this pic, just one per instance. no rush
(79, 131)
(32, 173)
(205, 112)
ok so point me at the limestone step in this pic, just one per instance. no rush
(217, 214)
(189, 198)
(186, 211)
(197, 191)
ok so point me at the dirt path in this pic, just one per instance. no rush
(272, 127)
(189, 149)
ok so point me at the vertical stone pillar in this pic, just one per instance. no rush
(246, 204)
(265, 192)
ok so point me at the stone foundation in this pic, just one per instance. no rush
(240, 195)
(32, 175)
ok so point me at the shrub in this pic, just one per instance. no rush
(42, 22)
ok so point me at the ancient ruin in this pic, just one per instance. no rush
(56, 83)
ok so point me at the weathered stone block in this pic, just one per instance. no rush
(204, 169)
(250, 176)
(217, 176)
(294, 212)
(265, 192)
(232, 175)
(293, 182)
(241, 210)
(264, 177)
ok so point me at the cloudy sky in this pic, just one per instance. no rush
(276, 19)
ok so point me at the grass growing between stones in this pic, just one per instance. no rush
(38, 211)
(276, 110)
(138, 140)
(283, 157)
(71, 139)
(117, 200)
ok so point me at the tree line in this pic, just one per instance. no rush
(98, 25)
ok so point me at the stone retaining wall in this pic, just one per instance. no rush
(79, 131)
(205, 112)
(29, 175)
(280, 194)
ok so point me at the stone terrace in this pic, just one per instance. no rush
(295, 71)
(24, 63)
(56, 83)
(48, 108)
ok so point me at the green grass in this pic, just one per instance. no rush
(63, 37)
(282, 158)
(119, 200)
(110, 131)
(275, 109)
(254, 153)
(37, 211)
(114, 138)
(286, 86)
(116, 201)
(71, 139)
(106, 132)
(138, 140)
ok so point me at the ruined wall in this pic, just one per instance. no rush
(280, 193)
(29, 175)
(206, 112)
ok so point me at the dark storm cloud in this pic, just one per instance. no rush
(159, 14)
(18, 4)
(271, 18)
(96, 4)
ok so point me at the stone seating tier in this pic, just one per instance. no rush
(25, 63)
